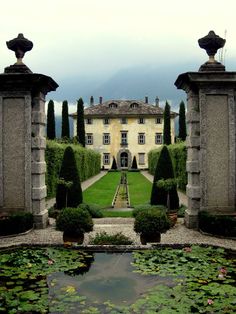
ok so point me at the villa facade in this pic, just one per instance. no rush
(124, 129)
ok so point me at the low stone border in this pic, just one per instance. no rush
(116, 248)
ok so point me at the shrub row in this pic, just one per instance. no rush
(88, 163)
(178, 153)
(221, 225)
(16, 223)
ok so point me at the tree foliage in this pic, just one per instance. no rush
(80, 122)
(65, 126)
(51, 132)
(164, 170)
(167, 129)
(70, 196)
(182, 122)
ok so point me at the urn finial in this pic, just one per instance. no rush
(20, 45)
(211, 43)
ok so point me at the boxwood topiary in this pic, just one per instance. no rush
(151, 222)
(69, 196)
(164, 170)
(74, 221)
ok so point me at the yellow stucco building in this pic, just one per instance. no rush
(123, 129)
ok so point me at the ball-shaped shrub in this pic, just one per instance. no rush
(151, 222)
(74, 221)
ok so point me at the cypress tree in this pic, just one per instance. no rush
(182, 122)
(65, 127)
(167, 135)
(51, 132)
(80, 122)
(69, 196)
(134, 163)
(114, 165)
(164, 170)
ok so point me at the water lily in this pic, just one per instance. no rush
(223, 270)
(210, 301)
(188, 249)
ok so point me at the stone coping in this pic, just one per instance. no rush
(116, 248)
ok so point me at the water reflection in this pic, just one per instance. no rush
(110, 277)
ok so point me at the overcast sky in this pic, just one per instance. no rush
(97, 38)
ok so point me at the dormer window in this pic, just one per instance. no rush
(141, 121)
(134, 105)
(113, 105)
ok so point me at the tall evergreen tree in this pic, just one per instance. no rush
(51, 132)
(167, 135)
(182, 122)
(80, 122)
(69, 192)
(164, 170)
(65, 127)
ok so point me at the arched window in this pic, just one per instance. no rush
(134, 105)
(112, 105)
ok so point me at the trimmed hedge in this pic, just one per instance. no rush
(16, 223)
(178, 153)
(87, 160)
(222, 225)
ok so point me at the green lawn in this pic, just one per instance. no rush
(139, 188)
(102, 191)
(117, 213)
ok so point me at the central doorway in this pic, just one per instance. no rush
(124, 160)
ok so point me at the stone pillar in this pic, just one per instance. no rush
(22, 138)
(211, 141)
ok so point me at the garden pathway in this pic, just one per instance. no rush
(179, 234)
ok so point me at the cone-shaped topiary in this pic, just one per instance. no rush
(134, 163)
(69, 192)
(114, 164)
(164, 170)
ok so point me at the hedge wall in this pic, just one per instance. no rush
(88, 163)
(178, 153)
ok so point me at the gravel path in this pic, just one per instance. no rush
(177, 235)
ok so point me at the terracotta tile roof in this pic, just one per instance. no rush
(118, 108)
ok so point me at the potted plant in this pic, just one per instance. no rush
(169, 185)
(74, 222)
(150, 224)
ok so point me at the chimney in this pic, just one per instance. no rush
(157, 102)
(146, 99)
(100, 100)
(91, 101)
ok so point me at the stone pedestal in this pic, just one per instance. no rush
(22, 143)
(211, 142)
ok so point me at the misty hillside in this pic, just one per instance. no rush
(129, 83)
